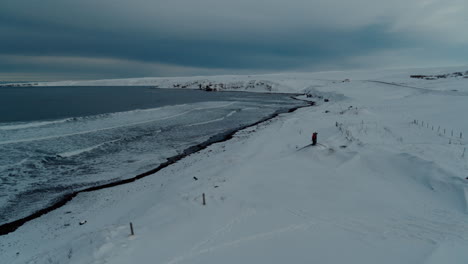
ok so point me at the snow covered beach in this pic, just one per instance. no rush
(380, 187)
(45, 162)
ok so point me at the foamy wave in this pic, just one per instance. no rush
(35, 124)
(212, 121)
(80, 151)
(120, 124)
(32, 124)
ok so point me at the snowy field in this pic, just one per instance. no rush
(386, 184)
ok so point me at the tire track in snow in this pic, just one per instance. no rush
(242, 240)
(223, 230)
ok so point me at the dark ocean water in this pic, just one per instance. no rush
(43, 103)
(54, 140)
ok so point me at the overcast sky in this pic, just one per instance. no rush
(93, 39)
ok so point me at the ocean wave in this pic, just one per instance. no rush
(212, 121)
(35, 124)
(72, 153)
(121, 125)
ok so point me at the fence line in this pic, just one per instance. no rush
(453, 137)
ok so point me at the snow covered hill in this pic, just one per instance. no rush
(281, 82)
(386, 184)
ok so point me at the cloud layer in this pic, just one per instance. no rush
(183, 37)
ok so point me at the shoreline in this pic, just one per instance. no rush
(376, 180)
(12, 226)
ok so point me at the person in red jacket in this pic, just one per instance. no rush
(314, 139)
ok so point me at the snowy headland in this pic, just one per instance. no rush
(387, 182)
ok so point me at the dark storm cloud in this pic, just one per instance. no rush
(291, 49)
(205, 34)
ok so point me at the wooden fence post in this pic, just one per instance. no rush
(204, 201)
(131, 229)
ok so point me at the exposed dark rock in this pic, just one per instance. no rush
(440, 76)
